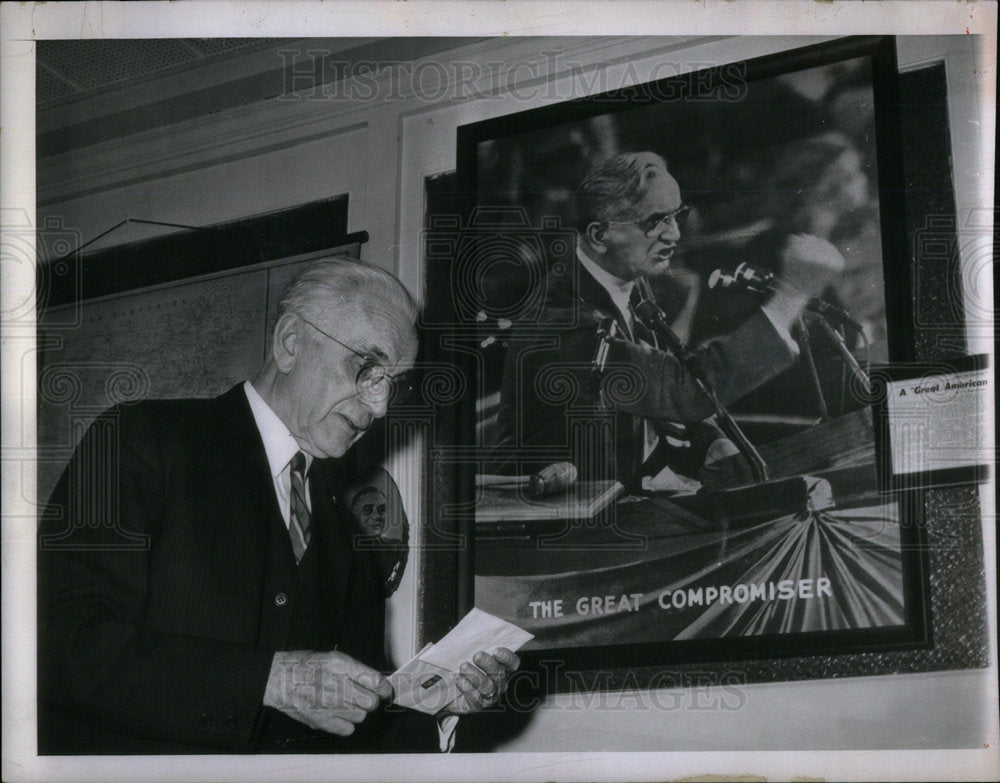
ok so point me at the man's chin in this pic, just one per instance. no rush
(660, 267)
(329, 450)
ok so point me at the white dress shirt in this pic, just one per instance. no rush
(619, 290)
(280, 446)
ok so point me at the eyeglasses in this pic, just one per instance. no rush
(373, 382)
(656, 224)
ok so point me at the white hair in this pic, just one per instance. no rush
(616, 185)
(332, 287)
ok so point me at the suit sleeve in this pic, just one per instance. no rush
(653, 383)
(98, 658)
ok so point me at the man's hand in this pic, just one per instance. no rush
(808, 264)
(482, 685)
(328, 691)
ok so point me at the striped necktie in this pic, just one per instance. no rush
(299, 522)
(640, 331)
(642, 334)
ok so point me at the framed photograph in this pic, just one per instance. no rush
(719, 558)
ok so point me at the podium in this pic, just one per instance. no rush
(819, 526)
(846, 441)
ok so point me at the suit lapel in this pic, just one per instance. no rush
(586, 294)
(246, 461)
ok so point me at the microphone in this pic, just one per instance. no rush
(495, 325)
(607, 330)
(744, 278)
(649, 312)
(763, 282)
(655, 319)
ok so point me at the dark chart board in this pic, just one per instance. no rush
(190, 337)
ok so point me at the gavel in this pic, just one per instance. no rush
(549, 480)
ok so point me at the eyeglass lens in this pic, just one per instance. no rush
(670, 218)
(375, 384)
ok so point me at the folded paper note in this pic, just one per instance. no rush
(427, 681)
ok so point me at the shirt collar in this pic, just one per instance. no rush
(619, 290)
(279, 444)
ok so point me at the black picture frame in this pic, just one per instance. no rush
(637, 663)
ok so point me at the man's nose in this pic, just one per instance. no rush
(378, 407)
(670, 231)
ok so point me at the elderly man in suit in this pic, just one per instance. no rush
(629, 215)
(217, 603)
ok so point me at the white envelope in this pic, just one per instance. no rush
(427, 681)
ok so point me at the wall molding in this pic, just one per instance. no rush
(488, 70)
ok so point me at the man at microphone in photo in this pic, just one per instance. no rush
(630, 214)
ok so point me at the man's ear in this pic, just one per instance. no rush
(595, 236)
(287, 341)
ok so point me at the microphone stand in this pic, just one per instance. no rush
(805, 345)
(656, 321)
(838, 342)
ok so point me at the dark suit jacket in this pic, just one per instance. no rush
(162, 563)
(550, 409)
